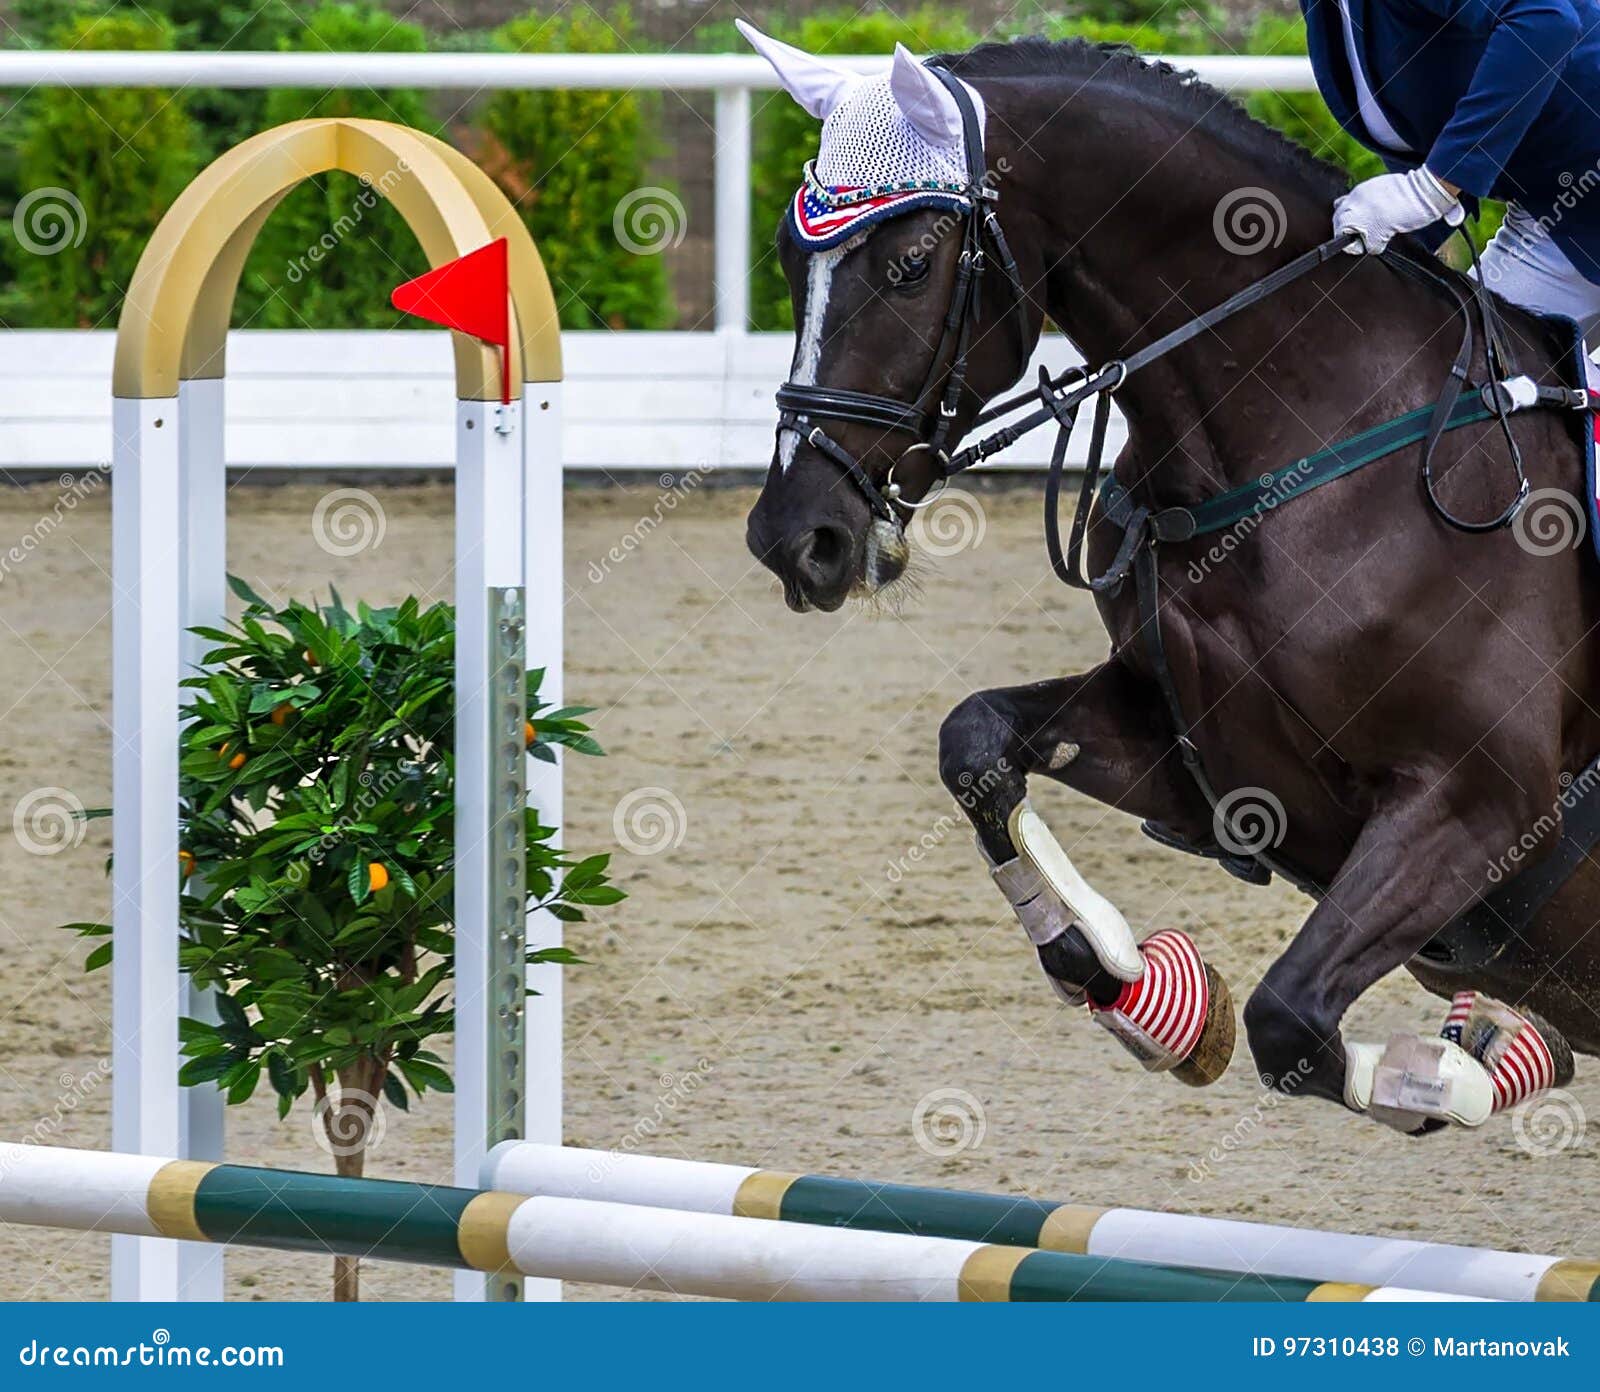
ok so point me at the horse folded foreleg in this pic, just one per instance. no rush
(1172, 1011)
(1486, 1059)
(1050, 896)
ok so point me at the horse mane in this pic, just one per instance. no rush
(1199, 104)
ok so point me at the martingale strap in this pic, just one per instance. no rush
(1294, 480)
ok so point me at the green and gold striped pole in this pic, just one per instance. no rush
(613, 1244)
(1170, 1239)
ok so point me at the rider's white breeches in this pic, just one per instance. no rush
(1525, 265)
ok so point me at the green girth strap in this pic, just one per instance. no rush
(1267, 492)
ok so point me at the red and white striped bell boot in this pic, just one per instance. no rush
(1487, 1058)
(1178, 1016)
(1521, 1060)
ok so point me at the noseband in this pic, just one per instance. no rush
(800, 406)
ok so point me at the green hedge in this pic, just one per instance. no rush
(582, 167)
(334, 248)
(93, 173)
(577, 166)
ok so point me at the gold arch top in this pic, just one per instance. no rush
(174, 322)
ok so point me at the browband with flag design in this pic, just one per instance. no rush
(822, 216)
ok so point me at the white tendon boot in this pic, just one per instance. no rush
(1173, 1012)
(1487, 1058)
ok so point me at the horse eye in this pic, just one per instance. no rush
(911, 270)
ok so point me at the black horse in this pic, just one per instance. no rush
(1415, 698)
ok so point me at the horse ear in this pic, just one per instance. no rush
(925, 101)
(813, 82)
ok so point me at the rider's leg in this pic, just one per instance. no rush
(1093, 732)
(1525, 265)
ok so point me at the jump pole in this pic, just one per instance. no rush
(168, 525)
(1173, 1239)
(584, 1240)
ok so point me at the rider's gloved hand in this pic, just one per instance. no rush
(1380, 207)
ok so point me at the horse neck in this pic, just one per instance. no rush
(1132, 251)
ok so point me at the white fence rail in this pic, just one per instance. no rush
(323, 400)
(637, 400)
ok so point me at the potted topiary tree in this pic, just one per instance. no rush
(317, 829)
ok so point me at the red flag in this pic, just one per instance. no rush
(469, 294)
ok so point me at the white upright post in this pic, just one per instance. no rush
(146, 519)
(490, 788)
(732, 175)
(203, 559)
(545, 586)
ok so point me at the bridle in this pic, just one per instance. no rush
(801, 405)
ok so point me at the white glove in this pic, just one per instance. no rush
(1380, 207)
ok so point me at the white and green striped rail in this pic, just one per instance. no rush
(583, 1239)
(1121, 1234)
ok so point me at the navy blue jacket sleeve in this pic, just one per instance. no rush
(1529, 44)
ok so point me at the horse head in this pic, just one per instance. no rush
(909, 314)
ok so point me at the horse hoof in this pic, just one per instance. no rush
(1178, 1016)
(1209, 1058)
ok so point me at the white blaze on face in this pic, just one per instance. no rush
(808, 344)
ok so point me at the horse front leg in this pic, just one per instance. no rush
(1102, 733)
(1416, 864)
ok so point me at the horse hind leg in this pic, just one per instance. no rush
(1158, 998)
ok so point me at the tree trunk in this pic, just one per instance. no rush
(348, 1124)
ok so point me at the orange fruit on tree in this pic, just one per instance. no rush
(377, 876)
(281, 713)
(529, 734)
(237, 761)
(186, 863)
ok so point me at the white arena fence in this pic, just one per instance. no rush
(678, 403)
(659, 402)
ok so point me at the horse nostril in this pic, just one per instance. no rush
(821, 554)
